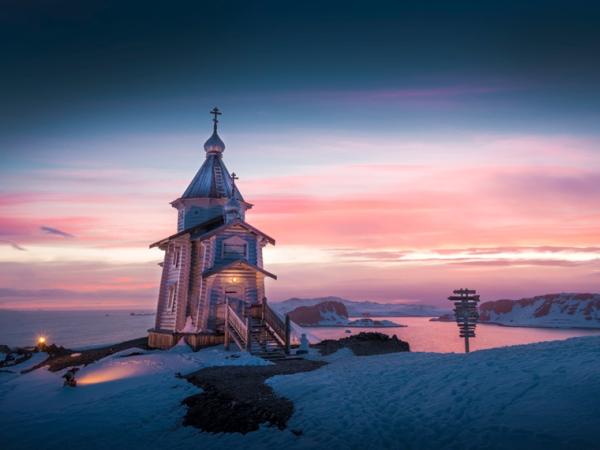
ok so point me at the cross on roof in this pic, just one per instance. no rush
(233, 178)
(216, 113)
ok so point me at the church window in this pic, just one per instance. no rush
(180, 219)
(235, 247)
(176, 256)
(172, 296)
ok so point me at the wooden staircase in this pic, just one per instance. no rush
(259, 330)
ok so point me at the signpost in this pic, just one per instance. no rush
(465, 311)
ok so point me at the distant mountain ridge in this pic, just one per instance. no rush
(358, 308)
(325, 313)
(333, 314)
(564, 310)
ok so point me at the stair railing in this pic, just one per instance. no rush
(279, 328)
(240, 328)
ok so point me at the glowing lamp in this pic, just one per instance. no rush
(41, 341)
(234, 280)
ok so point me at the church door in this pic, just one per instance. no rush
(235, 295)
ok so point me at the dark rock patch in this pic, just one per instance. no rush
(364, 344)
(307, 316)
(236, 399)
(60, 358)
(15, 356)
(128, 355)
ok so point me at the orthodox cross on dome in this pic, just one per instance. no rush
(233, 178)
(216, 113)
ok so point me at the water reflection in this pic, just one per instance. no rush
(426, 336)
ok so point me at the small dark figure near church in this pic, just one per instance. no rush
(69, 377)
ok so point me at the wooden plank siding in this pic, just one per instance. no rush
(173, 319)
(241, 233)
(183, 282)
(206, 285)
(195, 215)
(202, 297)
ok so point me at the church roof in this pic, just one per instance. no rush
(212, 180)
(240, 223)
(203, 227)
(238, 264)
(210, 228)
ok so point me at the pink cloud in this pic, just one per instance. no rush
(490, 197)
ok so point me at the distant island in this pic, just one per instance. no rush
(333, 314)
(358, 308)
(564, 310)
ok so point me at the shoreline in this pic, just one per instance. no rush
(354, 326)
(543, 327)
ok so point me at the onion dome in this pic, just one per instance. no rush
(214, 144)
(213, 179)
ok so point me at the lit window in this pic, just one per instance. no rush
(172, 297)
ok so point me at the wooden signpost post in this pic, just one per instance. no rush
(465, 311)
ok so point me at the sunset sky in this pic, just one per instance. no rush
(395, 152)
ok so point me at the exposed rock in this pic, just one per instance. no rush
(236, 399)
(360, 308)
(61, 358)
(55, 351)
(364, 344)
(329, 312)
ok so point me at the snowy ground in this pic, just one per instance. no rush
(535, 396)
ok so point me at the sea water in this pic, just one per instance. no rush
(425, 335)
(73, 329)
(85, 329)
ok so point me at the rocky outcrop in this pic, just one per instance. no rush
(565, 310)
(235, 399)
(364, 344)
(325, 313)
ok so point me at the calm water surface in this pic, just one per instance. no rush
(426, 336)
(73, 329)
(81, 329)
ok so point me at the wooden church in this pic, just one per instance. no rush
(212, 288)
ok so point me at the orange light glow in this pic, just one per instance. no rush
(41, 340)
(107, 374)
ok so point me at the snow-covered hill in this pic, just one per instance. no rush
(540, 396)
(359, 308)
(332, 314)
(566, 310)
(321, 314)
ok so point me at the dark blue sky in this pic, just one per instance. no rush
(74, 67)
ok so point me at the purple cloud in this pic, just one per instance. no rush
(56, 231)
(13, 245)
